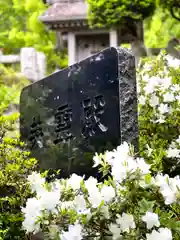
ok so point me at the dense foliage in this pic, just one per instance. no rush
(112, 13)
(138, 201)
(11, 84)
(173, 6)
(104, 13)
(20, 27)
(15, 163)
(160, 28)
(159, 112)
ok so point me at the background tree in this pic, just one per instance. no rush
(173, 6)
(104, 13)
(159, 25)
(160, 28)
(20, 27)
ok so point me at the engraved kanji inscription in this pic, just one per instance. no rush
(92, 110)
(36, 133)
(63, 119)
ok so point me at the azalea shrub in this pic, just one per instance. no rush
(140, 194)
(159, 113)
(15, 165)
(15, 162)
(132, 204)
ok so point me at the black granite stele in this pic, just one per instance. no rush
(88, 107)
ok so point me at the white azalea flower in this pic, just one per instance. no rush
(168, 187)
(149, 88)
(165, 233)
(32, 212)
(178, 140)
(36, 181)
(109, 157)
(96, 160)
(168, 97)
(126, 222)
(115, 230)
(123, 164)
(95, 198)
(74, 181)
(122, 151)
(173, 153)
(142, 100)
(175, 183)
(149, 150)
(91, 183)
(157, 81)
(30, 224)
(66, 205)
(151, 220)
(74, 233)
(175, 87)
(119, 173)
(50, 200)
(153, 236)
(107, 193)
(80, 204)
(161, 119)
(162, 233)
(178, 98)
(161, 180)
(173, 62)
(105, 211)
(143, 166)
(168, 194)
(166, 83)
(130, 164)
(154, 100)
(56, 186)
(163, 108)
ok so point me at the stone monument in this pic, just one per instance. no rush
(88, 107)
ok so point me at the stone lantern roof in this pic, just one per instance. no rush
(66, 14)
(71, 16)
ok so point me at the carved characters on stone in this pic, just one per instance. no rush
(36, 133)
(92, 116)
(92, 110)
(63, 119)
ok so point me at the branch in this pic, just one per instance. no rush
(173, 10)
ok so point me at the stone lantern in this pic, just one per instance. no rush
(69, 19)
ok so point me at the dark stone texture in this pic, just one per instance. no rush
(89, 107)
(128, 97)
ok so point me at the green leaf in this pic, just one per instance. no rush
(145, 205)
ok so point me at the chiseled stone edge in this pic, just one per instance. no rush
(128, 97)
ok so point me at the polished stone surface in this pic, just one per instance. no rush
(89, 107)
